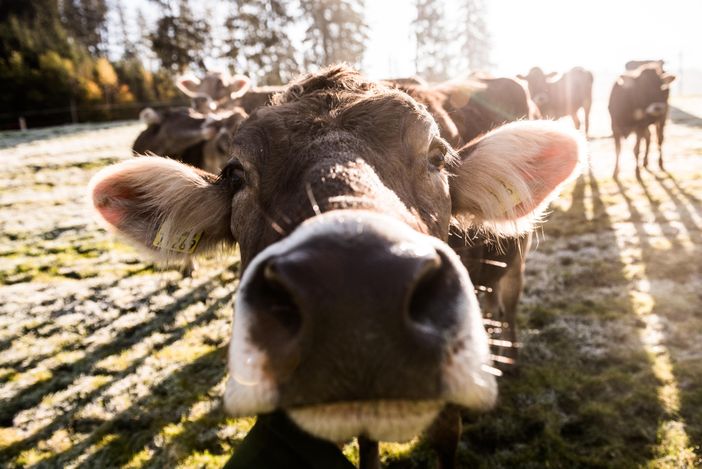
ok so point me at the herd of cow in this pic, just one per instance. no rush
(373, 218)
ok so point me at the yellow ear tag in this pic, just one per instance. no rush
(184, 243)
(512, 193)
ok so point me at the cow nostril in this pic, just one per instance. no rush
(273, 300)
(431, 305)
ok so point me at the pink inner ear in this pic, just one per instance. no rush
(108, 199)
(552, 166)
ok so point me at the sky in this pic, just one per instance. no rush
(600, 35)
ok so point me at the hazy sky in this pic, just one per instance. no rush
(555, 34)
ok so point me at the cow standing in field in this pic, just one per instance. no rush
(214, 91)
(187, 136)
(353, 315)
(639, 99)
(562, 96)
(464, 110)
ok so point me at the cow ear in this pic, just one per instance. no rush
(667, 78)
(505, 180)
(188, 84)
(163, 207)
(238, 85)
(149, 116)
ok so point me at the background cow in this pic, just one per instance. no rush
(215, 90)
(465, 110)
(638, 100)
(562, 96)
(340, 199)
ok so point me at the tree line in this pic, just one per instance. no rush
(57, 57)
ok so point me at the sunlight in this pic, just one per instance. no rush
(673, 443)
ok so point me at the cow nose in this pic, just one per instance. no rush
(353, 302)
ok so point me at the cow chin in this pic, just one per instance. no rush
(378, 420)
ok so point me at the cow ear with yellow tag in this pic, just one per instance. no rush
(506, 178)
(162, 206)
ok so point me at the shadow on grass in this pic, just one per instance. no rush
(584, 394)
(679, 116)
(66, 374)
(133, 429)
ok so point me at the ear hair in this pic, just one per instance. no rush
(507, 178)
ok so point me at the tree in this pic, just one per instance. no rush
(86, 21)
(432, 59)
(474, 34)
(258, 37)
(129, 49)
(180, 39)
(337, 31)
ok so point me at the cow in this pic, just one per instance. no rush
(639, 99)
(562, 96)
(214, 91)
(353, 316)
(465, 110)
(254, 98)
(187, 136)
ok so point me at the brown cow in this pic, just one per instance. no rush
(353, 315)
(563, 96)
(187, 136)
(463, 111)
(638, 100)
(215, 90)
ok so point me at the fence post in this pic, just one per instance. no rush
(22, 124)
(74, 112)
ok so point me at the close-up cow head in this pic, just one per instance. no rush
(353, 315)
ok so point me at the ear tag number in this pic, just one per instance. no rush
(184, 243)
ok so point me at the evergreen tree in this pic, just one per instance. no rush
(432, 59)
(258, 37)
(180, 39)
(474, 34)
(86, 21)
(337, 31)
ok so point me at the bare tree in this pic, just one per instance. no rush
(180, 39)
(258, 36)
(474, 34)
(337, 31)
(431, 32)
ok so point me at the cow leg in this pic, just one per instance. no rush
(510, 290)
(444, 434)
(188, 267)
(647, 141)
(660, 126)
(617, 151)
(369, 457)
(637, 150)
(586, 107)
(576, 119)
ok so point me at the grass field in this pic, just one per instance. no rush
(106, 361)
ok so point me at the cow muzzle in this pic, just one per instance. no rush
(656, 109)
(356, 324)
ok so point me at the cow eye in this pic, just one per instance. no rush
(437, 155)
(233, 175)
